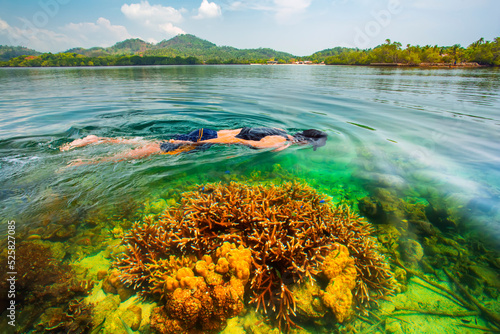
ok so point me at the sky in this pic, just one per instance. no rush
(300, 27)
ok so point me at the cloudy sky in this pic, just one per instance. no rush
(300, 27)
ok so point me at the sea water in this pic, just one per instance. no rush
(426, 135)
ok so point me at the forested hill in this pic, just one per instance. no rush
(8, 52)
(189, 49)
(185, 46)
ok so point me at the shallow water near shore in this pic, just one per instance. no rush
(400, 140)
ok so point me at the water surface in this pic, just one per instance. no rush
(431, 135)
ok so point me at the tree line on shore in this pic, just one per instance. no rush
(482, 52)
(73, 59)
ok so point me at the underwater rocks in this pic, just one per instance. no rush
(76, 317)
(411, 251)
(424, 217)
(46, 284)
(309, 304)
(113, 284)
(385, 207)
(440, 217)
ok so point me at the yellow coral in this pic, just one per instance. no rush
(207, 259)
(201, 268)
(206, 300)
(224, 249)
(192, 282)
(222, 266)
(171, 284)
(339, 268)
(184, 272)
(183, 306)
(240, 260)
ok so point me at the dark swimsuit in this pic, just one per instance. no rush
(246, 133)
(193, 136)
(257, 134)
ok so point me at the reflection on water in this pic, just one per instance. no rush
(401, 141)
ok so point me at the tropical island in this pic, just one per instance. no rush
(191, 50)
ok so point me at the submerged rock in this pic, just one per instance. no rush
(487, 275)
(308, 300)
(440, 217)
(113, 284)
(412, 251)
(104, 308)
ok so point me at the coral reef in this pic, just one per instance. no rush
(46, 285)
(75, 318)
(203, 303)
(288, 231)
(339, 269)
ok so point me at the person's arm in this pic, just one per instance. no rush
(277, 142)
(92, 139)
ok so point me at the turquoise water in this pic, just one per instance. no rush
(425, 135)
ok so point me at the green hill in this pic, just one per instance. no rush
(192, 46)
(185, 42)
(92, 52)
(185, 46)
(127, 47)
(8, 52)
(130, 46)
(323, 54)
(179, 46)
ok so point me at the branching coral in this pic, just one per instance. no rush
(290, 230)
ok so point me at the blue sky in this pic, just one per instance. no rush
(300, 27)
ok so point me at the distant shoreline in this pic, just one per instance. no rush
(421, 65)
(380, 65)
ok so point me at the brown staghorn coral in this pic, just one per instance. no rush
(290, 229)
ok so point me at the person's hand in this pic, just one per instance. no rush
(183, 142)
(281, 148)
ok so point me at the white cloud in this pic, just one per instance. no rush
(32, 37)
(101, 33)
(170, 29)
(236, 5)
(208, 10)
(147, 14)
(155, 17)
(447, 4)
(285, 9)
(85, 34)
(3, 25)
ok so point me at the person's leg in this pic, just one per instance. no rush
(92, 139)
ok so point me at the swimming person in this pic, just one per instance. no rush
(258, 138)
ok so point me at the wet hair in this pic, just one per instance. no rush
(314, 137)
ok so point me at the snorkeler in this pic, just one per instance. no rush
(254, 137)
